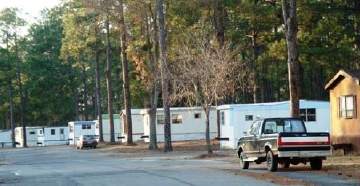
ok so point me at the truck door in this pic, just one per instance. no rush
(253, 140)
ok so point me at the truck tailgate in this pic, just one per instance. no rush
(303, 144)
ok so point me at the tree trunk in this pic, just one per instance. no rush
(98, 96)
(219, 14)
(293, 56)
(164, 76)
(108, 82)
(207, 131)
(357, 30)
(75, 92)
(155, 93)
(86, 115)
(127, 99)
(22, 106)
(254, 67)
(12, 115)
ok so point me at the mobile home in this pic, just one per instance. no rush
(137, 121)
(236, 119)
(5, 138)
(187, 123)
(34, 136)
(56, 135)
(106, 126)
(78, 128)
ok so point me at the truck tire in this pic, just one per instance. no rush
(271, 161)
(316, 163)
(243, 164)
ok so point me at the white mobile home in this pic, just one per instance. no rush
(78, 128)
(34, 136)
(187, 123)
(137, 125)
(5, 138)
(106, 126)
(236, 119)
(56, 135)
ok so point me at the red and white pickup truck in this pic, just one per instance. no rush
(282, 141)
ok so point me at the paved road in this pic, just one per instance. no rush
(68, 166)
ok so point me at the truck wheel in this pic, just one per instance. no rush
(271, 161)
(316, 163)
(243, 164)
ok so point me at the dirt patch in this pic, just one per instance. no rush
(270, 177)
(206, 156)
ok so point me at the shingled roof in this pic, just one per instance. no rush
(343, 73)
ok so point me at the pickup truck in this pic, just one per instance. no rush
(282, 141)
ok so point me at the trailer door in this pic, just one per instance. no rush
(62, 135)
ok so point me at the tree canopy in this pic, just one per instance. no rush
(57, 56)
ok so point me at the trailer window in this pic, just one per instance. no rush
(32, 132)
(308, 114)
(86, 126)
(248, 117)
(160, 119)
(61, 131)
(71, 128)
(176, 118)
(52, 131)
(222, 118)
(197, 115)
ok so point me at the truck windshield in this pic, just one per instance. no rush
(284, 125)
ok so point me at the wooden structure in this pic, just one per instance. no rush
(344, 90)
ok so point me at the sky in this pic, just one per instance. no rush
(30, 8)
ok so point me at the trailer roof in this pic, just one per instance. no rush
(283, 105)
(82, 122)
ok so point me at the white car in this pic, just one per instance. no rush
(86, 141)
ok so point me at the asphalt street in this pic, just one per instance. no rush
(68, 166)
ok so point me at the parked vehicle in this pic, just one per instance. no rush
(282, 141)
(87, 141)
